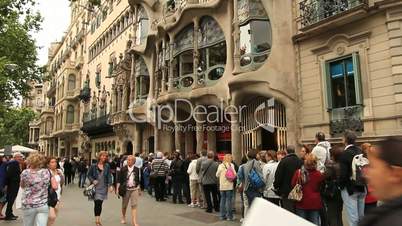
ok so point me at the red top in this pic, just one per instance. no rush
(311, 190)
(370, 198)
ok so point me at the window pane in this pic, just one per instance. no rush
(245, 39)
(338, 84)
(260, 32)
(187, 63)
(217, 55)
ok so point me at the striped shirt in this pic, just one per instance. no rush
(160, 167)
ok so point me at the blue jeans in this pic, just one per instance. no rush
(36, 216)
(354, 205)
(226, 205)
(251, 195)
(83, 178)
(311, 215)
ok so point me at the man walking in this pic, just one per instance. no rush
(82, 170)
(353, 195)
(13, 172)
(283, 177)
(129, 189)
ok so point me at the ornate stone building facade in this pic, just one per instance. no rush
(238, 74)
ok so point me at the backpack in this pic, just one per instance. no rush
(230, 174)
(256, 181)
(358, 164)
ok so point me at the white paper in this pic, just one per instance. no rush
(263, 213)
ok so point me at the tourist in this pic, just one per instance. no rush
(201, 160)
(129, 188)
(283, 177)
(82, 171)
(59, 178)
(3, 193)
(178, 176)
(100, 176)
(268, 172)
(35, 181)
(168, 157)
(384, 175)
(68, 171)
(159, 170)
(186, 185)
(304, 151)
(210, 182)
(370, 202)
(321, 151)
(281, 154)
(227, 174)
(194, 184)
(252, 164)
(310, 178)
(74, 166)
(13, 183)
(240, 189)
(353, 195)
(330, 191)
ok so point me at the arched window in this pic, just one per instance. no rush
(212, 45)
(183, 58)
(142, 80)
(255, 34)
(70, 114)
(142, 23)
(71, 82)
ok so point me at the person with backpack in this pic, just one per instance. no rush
(251, 177)
(227, 175)
(82, 173)
(330, 192)
(210, 182)
(385, 177)
(351, 182)
(283, 177)
(321, 151)
(159, 171)
(269, 175)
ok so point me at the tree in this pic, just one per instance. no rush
(14, 126)
(18, 52)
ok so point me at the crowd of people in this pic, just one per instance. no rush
(318, 183)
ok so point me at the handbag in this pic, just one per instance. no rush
(52, 199)
(90, 192)
(297, 192)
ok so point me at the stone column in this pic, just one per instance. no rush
(189, 145)
(236, 39)
(132, 79)
(170, 85)
(125, 97)
(211, 136)
(200, 120)
(138, 138)
(236, 138)
(156, 140)
(196, 51)
(164, 80)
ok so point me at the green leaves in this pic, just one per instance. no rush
(14, 126)
(17, 48)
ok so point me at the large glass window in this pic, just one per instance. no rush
(71, 82)
(142, 79)
(343, 83)
(255, 33)
(70, 114)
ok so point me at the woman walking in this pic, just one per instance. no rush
(35, 181)
(310, 179)
(226, 174)
(99, 175)
(59, 177)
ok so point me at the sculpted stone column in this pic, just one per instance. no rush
(138, 138)
(236, 39)
(170, 87)
(164, 76)
(132, 79)
(236, 138)
(200, 120)
(211, 137)
(125, 96)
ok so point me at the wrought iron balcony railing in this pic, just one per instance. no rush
(348, 118)
(313, 11)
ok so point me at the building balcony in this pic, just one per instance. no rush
(97, 126)
(66, 130)
(72, 94)
(52, 89)
(79, 62)
(314, 12)
(348, 118)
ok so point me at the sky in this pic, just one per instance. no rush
(56, 15)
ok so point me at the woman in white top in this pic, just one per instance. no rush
(227, 174)
(268, 171)
(59, 177)
(194, 184)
